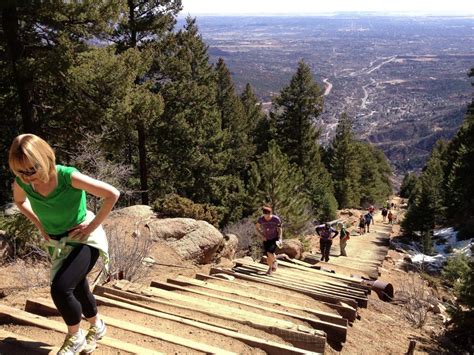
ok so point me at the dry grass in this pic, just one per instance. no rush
(28, 275)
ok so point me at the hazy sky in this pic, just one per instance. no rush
(195, 7)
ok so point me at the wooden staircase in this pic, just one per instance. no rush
(299, 309)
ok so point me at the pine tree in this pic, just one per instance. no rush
(427, 208)
(374, 182)
(344, 165)
(255, 120)
(234, 122)
(277, 182)
(189, 142)
(408, 185)
(293, 115)
(143, 23)
(37, 59)
(459, 170)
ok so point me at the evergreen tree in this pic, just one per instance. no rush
(143, 23)
(275, 181)
(234, 122)
(189, 142)
(344, 165)
(293, 115)
(40, 39)
(374, 183)
(39, 42)
(408, 185)
(256, 122)
(426, 209)
(459, 170)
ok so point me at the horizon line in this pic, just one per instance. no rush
(332, 13)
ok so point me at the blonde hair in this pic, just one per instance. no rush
(29, 150)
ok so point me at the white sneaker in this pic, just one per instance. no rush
(274, 266)
(73, 344)
(94, 334)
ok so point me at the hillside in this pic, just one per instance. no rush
(249, 314)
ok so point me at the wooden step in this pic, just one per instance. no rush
(42, 306)
(26, 343)
(321, 315)
(271, 347)
(333, 331)
(22, 317)
(299, 336)
(345, 309)
(298, 266)
(289, 278)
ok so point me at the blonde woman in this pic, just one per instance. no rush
(53, 197)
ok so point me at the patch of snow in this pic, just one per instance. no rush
(448, 242)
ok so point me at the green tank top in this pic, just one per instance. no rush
(64, 208)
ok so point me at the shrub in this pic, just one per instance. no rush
(22, 237)
(173, 205)
(246, 234)
(127, 256)
(456, 270)
(416, 299)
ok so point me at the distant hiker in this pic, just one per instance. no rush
(269, 228)
(361, 224)
(369, 218)
(53, 197)
(384, 214)
(344, 236)
(326, 234)
(391, 217)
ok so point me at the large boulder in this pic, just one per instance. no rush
(292, 247)
(191, 239)
(137, 211)
(228, 247)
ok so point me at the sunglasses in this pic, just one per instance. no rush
(29, 172)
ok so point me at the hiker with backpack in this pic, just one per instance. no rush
(391, 217)
(53, 198)
(326, 234)
(361, 224)
(344, 236)
(369, 218)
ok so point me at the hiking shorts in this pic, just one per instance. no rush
(270, 245)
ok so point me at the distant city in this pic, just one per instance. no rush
(403, 80)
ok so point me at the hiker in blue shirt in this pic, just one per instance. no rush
(369, 218)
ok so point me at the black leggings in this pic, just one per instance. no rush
(70, 289)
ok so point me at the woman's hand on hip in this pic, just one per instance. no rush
(81, 231)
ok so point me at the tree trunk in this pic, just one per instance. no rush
(143, 164)
(15, 50)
